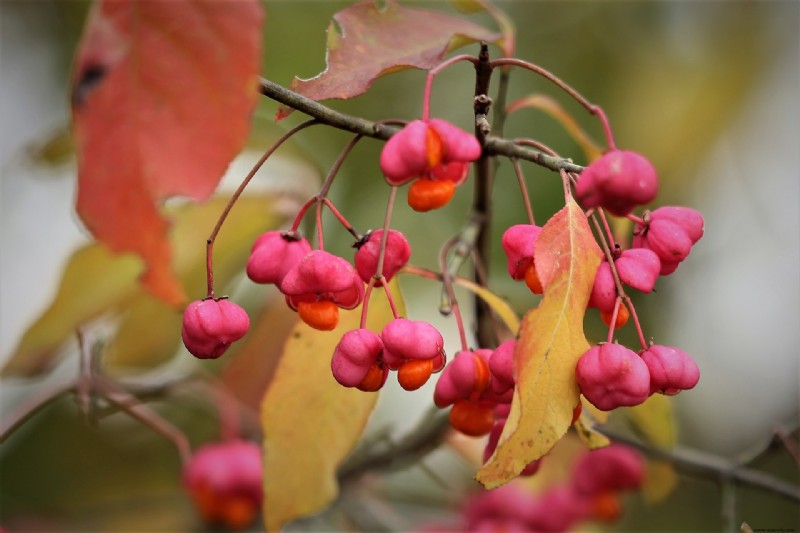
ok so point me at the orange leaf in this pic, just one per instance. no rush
(366, 42)
(551, 341)
(161, 99)
(311, 422)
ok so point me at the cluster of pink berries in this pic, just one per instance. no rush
(225, 482)
(592, 493)
(436, 156)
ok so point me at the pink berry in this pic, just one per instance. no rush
(421, 146)
(466, 377)
(356, 353)
(610, 376)
(670, 233)
(558, 509)
(618, 181)
(501, 364)
(455, 171)
(321, 276)
(638, 268)
(405, 339)
(210, 326)
(273, 254)
(671, 369)
(225, 482)
(396, 256)
(604, 290)
(613, 468)
(518, 242)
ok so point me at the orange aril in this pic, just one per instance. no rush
(532, 280)
(374, 378)
(434, 148)
(426, 194)
(471, 418)
(322, 315)
(414, 374)
(622, 317)
(606, 506)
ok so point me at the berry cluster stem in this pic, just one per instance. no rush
(523, 189)
(593, 109)
(426, 95)
(235, 197)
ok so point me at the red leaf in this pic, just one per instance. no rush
(365, 43)
(161, 102)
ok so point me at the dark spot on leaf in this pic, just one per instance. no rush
(296, 335)
(90, 78)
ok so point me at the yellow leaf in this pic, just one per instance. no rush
(94, 281)
(550, 342)
(590, 436)
(310, 422)
(496, 303)
(554, 109)
(653, 420)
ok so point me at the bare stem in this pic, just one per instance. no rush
(523, 189)
(426, 95)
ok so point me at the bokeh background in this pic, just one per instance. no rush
(707, 90)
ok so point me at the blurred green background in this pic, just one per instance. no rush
(706, 90)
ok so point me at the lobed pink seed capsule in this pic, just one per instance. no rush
(355, 354)
(604, 290)
(397, 254)
(501, 365)
(225, 482)
(321, 276)
(273, 255)
(671, 369)
(613, 468)
(618, 181)
(210, 326)
(670, 233)
(610, 376)
(518, 242)
(466, 377)
(405, 339)
(638, 268)
(423, 145)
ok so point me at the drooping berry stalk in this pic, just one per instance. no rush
(448, 285)
(426, 95)
(593, 109)
(235, 197)
(523, 189)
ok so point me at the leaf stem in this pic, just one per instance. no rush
(426, 95)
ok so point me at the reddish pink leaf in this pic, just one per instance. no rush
(366, 42)
(162, 97)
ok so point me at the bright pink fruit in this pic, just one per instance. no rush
(671, 369)
(355, 354)
(501, 364)
(615, 467)
(321, 276)
(618, 181)
(423, 145)
(405, 339)
(466, 377)
(396, 257)
(638, 268)
(518, 242)
(225, 482)
(210, 326)
(670, 233)
(273, 254)
(610, 376)
(604, 290)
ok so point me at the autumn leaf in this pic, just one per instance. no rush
(310, 422)
(550, 343)
(366, 42)
(162, 95)
(99, 283)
